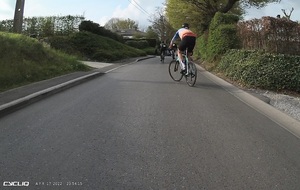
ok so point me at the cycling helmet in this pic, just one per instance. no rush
(185, 25)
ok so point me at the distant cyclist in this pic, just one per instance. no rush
(163, 49)
(188, 40)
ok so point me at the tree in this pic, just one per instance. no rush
(161, 25)
(225, 6)
(288, 16)
(115, 24)
(179, 12)
(200, 12)
(151, 34)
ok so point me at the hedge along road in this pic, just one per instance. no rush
(135, 128)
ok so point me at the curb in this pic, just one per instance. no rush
(27, 100)
(144, 58)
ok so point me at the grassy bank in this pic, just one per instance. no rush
(25, 60)
(94, 47)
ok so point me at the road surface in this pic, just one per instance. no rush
(135, 128)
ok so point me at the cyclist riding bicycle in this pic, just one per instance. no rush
(163, 48)
(188, 40)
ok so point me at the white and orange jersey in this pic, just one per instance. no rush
(183, 32)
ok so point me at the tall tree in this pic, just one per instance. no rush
(115, 24)
(161, 25)
(200, 12)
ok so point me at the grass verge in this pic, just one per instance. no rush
(24, 60)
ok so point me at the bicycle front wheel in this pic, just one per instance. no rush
(191, 77)
(174, 70)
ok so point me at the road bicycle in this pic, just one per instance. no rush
(176, 73)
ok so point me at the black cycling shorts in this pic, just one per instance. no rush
(187, 42)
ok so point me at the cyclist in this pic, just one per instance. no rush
(188, 40)
(163, 48)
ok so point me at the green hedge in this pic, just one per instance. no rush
(140, 44)
(222, 35)
(201, 47)
(223, 18)
(90, 26)
(221, 40)
(262, 70)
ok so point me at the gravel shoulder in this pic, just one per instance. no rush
(286, 103)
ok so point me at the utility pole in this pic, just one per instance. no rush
(18, 19)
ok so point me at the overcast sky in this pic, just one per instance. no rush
(100, 11)
(274, 9)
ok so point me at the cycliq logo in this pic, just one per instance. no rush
(15, 184)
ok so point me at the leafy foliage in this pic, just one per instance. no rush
(46, 26)
(222, 35)
(201, 47)
(140, 44)
(199, 13)
(151, 34)
(95, 28)
(115, 24)
(262, 70)
(257, 3)
(179, 12)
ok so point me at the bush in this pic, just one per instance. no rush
(150, 50)
(95, 28)
(201, 47)
(140, 44)
(223, 18)
(151, 42)
(222, 35)
(262, 70)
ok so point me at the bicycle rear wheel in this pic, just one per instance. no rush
(191, 77)
(174, 70)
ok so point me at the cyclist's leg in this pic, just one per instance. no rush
(181, 48)
(180, 56)
(191, 42)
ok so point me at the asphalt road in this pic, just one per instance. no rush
(135, 128)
